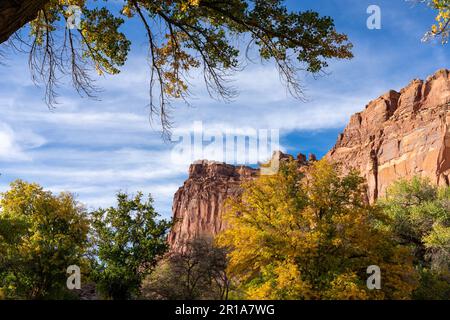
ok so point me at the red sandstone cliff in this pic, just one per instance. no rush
(198, 204)
(400, 134)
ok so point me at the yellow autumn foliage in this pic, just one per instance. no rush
(441, 27)
(312, 235)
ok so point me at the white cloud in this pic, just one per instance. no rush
(13, 144)
(8, 147)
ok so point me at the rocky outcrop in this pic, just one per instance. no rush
(199, 204)
(400, 134)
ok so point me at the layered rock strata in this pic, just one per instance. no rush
(400, 135)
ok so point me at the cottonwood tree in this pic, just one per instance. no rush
(183, 36)
(312, 236)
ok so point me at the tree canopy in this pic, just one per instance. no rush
(313, 236)
(126, 243)
(420, 219)
(303, 233)
(41, 235)
(183, 35)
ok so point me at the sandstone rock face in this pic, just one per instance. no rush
(199, 204)
(400, 135)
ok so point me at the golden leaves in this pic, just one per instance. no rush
(289, 230)
(285, 282)
(128, 11)
(187, 4)
(441, 28)
(346, 286)
(174, 61)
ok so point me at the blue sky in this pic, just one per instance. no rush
(95, 148)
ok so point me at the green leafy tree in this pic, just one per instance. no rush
(420, 214)
(312, 235)
(41, 235)
(183, 35)
(127, 241)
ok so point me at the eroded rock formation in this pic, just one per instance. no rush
(198, 205)
(400, 134)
